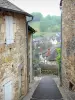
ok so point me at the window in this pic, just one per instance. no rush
(9, 29)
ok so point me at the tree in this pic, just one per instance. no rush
(37, 16)
(46, 24)
(50, 24)
(43, 25)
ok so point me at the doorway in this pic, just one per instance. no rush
(8, 91)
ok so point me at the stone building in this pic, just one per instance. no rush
(13, 51)
(31, 31)
(68, 44)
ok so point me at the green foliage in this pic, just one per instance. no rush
(35, 62)
(48, 71)
(35, 58)
(58, 58)
(37, 16)
(35, 25)
(44, 25)
(50, 24)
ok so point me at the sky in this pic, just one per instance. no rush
(46, 7)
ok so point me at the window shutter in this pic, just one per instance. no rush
(9, 29)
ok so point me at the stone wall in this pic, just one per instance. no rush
(13, 57)
(30, 57)
(68, 44)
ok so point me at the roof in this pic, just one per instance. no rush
(52, 57)
(5, 5)
(30, 29)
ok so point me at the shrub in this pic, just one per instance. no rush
(58, 58)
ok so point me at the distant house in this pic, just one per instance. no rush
(58, 37)
(54, 41)
(13, 51)
(52, 56)
(68, 44)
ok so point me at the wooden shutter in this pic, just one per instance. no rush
(9, 29)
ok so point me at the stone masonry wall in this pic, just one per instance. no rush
(30, 57)
(68, 43)
(13, 57)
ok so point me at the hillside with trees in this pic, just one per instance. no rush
(45, 26)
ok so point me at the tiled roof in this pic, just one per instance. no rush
(52, 57)
(8, 6)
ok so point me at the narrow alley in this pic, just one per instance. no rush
(47, 90)
(37, 49)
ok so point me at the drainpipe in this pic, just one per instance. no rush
(27, 51)
(61, 51)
